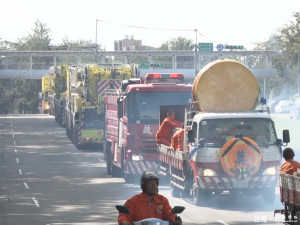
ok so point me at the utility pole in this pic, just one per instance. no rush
(96, 42)
(298, 70)
(196, 54)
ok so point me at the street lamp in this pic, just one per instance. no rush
(298, 71)
(196, 54)
(96, 31)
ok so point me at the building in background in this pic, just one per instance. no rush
(129, 44)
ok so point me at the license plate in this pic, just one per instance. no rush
(240, 184)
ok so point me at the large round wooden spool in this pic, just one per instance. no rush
(225, 86)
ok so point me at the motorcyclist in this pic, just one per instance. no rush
(148, 203)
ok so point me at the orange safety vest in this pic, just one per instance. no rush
(165, 130)
(140, 209)
(177, 141)
(289, 167)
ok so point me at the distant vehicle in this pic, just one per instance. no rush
(284, 106)
(294, 112)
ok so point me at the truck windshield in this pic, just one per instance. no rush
(217, 132)
(92, 121)
(143, 107)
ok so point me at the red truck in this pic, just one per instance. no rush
(131, 121)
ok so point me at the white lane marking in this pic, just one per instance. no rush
(17, 159)
(36, 202)
(222, 222)
(14, 143)
(16, 150)
(101, 160)
(13, 135)
(20, 172)
(26, 185)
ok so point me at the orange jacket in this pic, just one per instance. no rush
(177, 140)
(289, 167)
(140, 209)
(166, 128)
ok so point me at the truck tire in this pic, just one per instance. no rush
(114, 171)
(200, 196)
(268, 195)
(196, 195)
(108, 158)
(175, 191)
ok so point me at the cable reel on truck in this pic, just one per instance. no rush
(225, 86)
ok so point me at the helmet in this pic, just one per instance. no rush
(147, 175)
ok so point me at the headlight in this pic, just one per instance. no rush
(136, 157)
(270, 171)
(209, 173)
(206, 172)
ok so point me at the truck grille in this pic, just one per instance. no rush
(148, 144)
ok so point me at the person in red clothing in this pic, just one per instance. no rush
(290, 165)
(177, 140)
(148, 204)
(164, 133)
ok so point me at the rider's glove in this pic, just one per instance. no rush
(178, 221)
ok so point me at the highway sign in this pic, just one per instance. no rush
(144, 65)
(205, 47)
(220, 47)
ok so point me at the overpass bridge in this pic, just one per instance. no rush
(35, 64)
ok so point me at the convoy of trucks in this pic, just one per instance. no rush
(231, 145)
(74, 95)
(85, 106)
(54, 91)
(131, 121)
(230, 141)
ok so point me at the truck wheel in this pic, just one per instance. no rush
(114, 171)
(268, 195)
(196, 195)
(108, 158)
(175, 191)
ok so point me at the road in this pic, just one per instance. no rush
(45, 180)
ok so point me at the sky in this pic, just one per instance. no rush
(233, 22)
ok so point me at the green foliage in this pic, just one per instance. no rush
(179, 43)
(26, 91)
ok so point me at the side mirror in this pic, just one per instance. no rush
(286, 136)
(178, 209)
(123, 209)
(191, 136)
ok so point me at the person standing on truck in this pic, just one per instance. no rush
(164, 133)
(148, 204)
(177, 140)
(290, 165)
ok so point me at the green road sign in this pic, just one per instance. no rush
(144, 65)
(205, 47)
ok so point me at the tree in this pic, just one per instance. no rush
(26, 91)
(179, 43)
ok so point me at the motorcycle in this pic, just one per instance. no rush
(150, 221)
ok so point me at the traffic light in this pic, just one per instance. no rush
(234, 47)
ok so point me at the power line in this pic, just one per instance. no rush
(146, 28)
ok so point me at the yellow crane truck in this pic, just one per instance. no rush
(85, 106)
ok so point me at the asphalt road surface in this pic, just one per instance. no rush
(45, 180)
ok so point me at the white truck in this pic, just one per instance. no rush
(230, 146)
